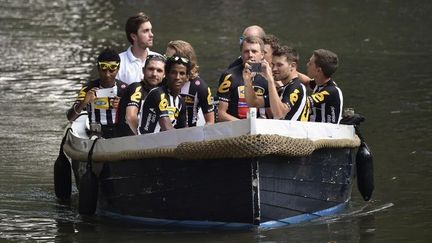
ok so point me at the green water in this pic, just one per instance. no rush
(48, 48)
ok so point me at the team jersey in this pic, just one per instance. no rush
(160, 103)
(326, 103)
(231, 90)
(294, 95)
(134, 95)
(101, 110)
(196, 95)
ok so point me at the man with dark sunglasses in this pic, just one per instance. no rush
(130, 104)
(100, 97)
(164, 109)
(140, 36)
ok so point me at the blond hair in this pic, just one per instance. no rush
(183, 48)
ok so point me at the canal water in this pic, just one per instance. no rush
(48, 49)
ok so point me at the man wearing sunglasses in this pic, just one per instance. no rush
(130, 104)
(195, 92)
(164, 109)
(100, 97)
(139, 34)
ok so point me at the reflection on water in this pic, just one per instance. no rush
(48, 49)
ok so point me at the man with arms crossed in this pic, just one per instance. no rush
(139, 34)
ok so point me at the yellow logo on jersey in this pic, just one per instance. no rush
(320, 96)
(259, 91)
(306, 112)
(209, 97)
(102, 103)
(136, 96)
(225, 85)
(188, 100)
(163, 104)
(241, 92)
(173, 113)
(82, 93)
(294, 96)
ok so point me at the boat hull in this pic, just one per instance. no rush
(228, 175)
(269, 191)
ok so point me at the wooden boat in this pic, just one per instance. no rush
(252, 173)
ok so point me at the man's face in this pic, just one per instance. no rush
(282, 68)
(176, 77)
(312, 68)
(154, 72)
(251, 52)
(108, 70)
(144, 36)
(268, 53)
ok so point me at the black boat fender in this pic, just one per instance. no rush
(365, 171)
(364, 158)
(88, 187)
(63, 173)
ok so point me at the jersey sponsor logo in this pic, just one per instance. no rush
(102, 103)
(189, 100)
(136, 96)
(225, 85)
(259, 91)
(294, 97)
(151, 119)
(320, 96)
(241, 92)
(332, 116)
(163, 104)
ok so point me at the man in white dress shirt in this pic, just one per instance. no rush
(139, 34)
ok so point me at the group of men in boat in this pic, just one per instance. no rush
(140, 91)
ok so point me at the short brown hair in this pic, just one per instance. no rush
(290, 53)
(271, 40)
(327, 61)
(253, 40)
(133, 23)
